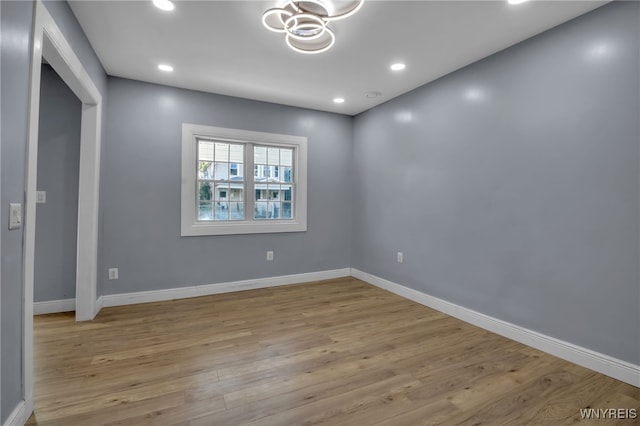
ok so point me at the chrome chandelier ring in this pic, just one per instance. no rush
(311, 6)
(273, 20)
(305, 23)
(321, 45)
(305, 26)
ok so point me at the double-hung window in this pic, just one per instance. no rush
(221, 196)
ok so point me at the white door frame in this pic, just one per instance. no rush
(50, 43)
(0, 244)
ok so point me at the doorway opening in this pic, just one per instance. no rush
(57, 195)
(49, 43)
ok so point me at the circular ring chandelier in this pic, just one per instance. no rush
(305, 22)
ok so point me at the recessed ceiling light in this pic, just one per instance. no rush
(398, 67)
(338, 100)
(163, 5)
(165, 67)
(517, 1)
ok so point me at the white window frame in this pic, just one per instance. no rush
(190, 226)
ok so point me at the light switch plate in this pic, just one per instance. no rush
(15, 216)
(41, 197)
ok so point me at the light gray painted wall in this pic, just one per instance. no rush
(15, 30)
(512, 185)
(58, 167)
(141, 198)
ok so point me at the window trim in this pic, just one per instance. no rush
(190, 226)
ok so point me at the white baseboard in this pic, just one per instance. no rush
(605, 364)
(54, 306)
(20, 414)
(209, 289)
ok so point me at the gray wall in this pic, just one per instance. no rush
(512, 185)
(15, 35)
(58, 167)
(141, 169)
(16, 28)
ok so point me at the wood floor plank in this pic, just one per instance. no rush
(119, 413)
(337, 352)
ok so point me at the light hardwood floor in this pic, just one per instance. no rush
(337, 352)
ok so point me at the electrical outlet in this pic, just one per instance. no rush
(113, 273)
(400, 257)
(270, 255)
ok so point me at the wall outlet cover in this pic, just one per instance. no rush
(113, 273)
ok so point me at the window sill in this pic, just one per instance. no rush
(254, 227)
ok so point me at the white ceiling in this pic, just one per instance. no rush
(222, 46)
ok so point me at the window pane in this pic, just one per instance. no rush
(235, 193)
(221, 192)
(286, 174)
(260, 155)
(274, 192)
(205, 170)
(236, 171)
(260, 210)
(259, 172)
(286, 157)
(286, 193)
(221, 171)
(236, 211)
(273, 156)
(287, 211)
(261, 192)
(205, 150)
(274, 210)
(236, 153)
(205, 211)
(222, 152)
(221, 210)
(204, 191)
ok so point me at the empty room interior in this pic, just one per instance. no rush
(340, 212)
